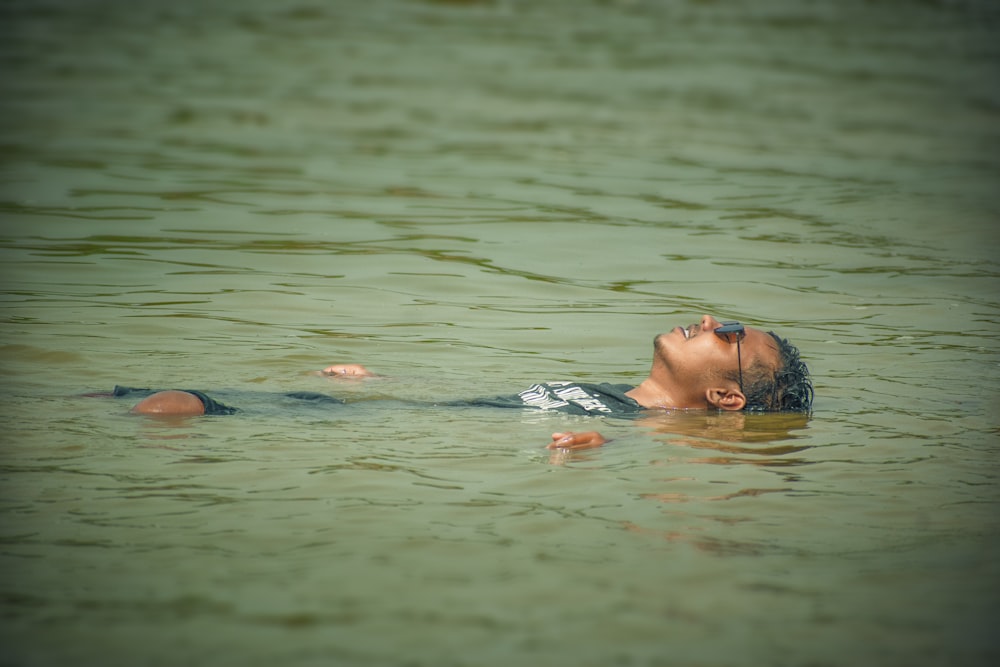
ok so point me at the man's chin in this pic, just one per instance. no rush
(662, 342)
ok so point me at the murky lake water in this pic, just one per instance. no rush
(470, 197)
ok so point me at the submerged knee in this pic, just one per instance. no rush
(171, 402)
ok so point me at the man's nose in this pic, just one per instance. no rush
(709, 323)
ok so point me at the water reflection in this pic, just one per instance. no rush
(733, 437)
(728, 437)
(731, 427)
(711, 545)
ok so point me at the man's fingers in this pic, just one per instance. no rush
(572, 440)
(560, 440)
(348, 370)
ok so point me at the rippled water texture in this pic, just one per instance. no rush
(470, 197)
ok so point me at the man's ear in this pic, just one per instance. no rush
(725, 399)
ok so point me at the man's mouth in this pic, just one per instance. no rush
(690, 331)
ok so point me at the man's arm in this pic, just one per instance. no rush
(570, 440)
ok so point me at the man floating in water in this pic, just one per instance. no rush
(708, 365)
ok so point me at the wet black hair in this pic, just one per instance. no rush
(788, 388)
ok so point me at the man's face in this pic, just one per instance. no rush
(696, 357)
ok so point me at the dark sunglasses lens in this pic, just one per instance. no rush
(731, 331)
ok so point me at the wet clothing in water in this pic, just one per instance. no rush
(214, 407)
(575, 398)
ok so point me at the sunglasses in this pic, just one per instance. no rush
(733, 332)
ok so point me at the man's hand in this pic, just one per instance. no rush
(572, 440)
(348, 371)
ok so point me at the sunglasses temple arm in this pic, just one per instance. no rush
(739, 361)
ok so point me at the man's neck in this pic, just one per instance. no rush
(651, 394)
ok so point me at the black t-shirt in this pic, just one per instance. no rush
(576, 398)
